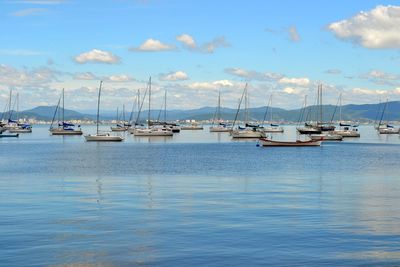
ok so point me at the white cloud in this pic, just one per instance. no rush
(211, 46)
(85, 76)
(294, 34)
(302, 82)
(254, 75)
(97, 56)
(174, 76)
(210, 85)
(365, 91)
(38, 77)
(187, 40)
(119, 78)
(153, 45)
(28, 12)
(377, 28)
(290, 90)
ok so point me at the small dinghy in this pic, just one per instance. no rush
(269, 142)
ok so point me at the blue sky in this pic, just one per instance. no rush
(192, 49)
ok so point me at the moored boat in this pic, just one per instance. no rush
(326, 137)
(269, 142)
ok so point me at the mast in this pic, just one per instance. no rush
(340, 107)
(17, 107)
(320, 103)
(165, 106)
(383, 112)
(148, 114)
(63, 118)
(240, 102)
(9, 104)
(266, 110)
(117, 115)
(271, 111)
(123, 113)
(219, 107)
(98, 108)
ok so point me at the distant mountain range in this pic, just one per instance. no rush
(367, 112)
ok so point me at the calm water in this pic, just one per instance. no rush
(198, 199)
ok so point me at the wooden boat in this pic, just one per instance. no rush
(63, 127)
(269, 142)
(102, 137)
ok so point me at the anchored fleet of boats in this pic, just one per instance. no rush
(313, 127)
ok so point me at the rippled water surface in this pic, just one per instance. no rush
(198, 199)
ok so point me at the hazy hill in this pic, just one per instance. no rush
(366, 112)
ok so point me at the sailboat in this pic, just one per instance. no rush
(63, 127)
(14, 126)
(150, 130)
(386, 128)
(101, 137)
(270, 142)
(345, 129)
(175, 128)
(121, 125)
(218, 125)
(272, 128)
(249, 131)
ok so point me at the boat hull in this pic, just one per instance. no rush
(8, 135)
(347, 133)
(219, 130)
(268, 142)
(65, 132)
(192, 128)
(247, 134)
(118, 129)
(308, 131)
(273, 130)
(326, 137)
(151, 132)
(11, 130)
(103, 138)
(389, 131)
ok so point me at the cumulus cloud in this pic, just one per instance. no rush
(302, 82)
(119, 78)
(187, 40)
(290, 90)
(365, 91)
(294, 34)
(85, 76)
(28, 12)
(381, 78)
(210, 85)
(377, 28)
(152, 45)
(97, 56)
(254, 75)
(174, 76)
(39, 77)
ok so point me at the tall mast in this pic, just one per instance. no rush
(63, 118)
(340, 107)
(148, 115)
(98, 108)
(165, 106)
(9, 104)
(271, 109)
(219, 106)
(117, 115)
(240, 102)
(320, 102)
(17, 107)
(123, 113)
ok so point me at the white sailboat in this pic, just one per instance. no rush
(271, 128)
(101, 137)
(63, 127)
(121, 126)
(16, 126)
(218, 125)
(150, 130)
(386, 128)
(248, 131)
(345, 130)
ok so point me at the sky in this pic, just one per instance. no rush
(193, 49)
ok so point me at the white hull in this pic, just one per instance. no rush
(247, 134)
(326, 137)
(219, 129)
(103, 138)
(119, 129)
(191, 127)
(152, 132)
(65, 132)
(389, 131)
(349, 133)
(267, 142)
(273, 130)
(17, 130)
